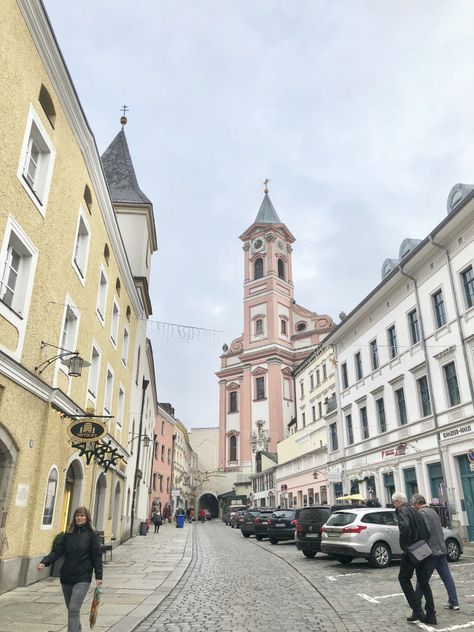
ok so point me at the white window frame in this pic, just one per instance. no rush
(92, 393)
(43, 525)
(108, 394)
(69, 345)
(120, 412)
(79, 263)
(17, 315)
(101, 304)
(125, 345)
(114, 322)
(35, 131)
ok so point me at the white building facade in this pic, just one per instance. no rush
(405, 360)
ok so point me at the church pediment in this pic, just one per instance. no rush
(232, 386)
(287, 371)
(260, 370)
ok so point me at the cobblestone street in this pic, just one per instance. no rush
(234, 583)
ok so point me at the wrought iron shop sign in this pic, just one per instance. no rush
(86, 431)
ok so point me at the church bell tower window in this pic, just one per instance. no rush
(258, 268)
(281, 269)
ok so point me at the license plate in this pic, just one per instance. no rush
(330, 534)
(312, 535)
(264, 522)
(280, 524)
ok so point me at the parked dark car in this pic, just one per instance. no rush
(309, 523)
(308, 528)
(255, 523)
(236, 519)
(282, 525)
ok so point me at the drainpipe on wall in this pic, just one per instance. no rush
(137, 464)
(428, 371)
(458, 315)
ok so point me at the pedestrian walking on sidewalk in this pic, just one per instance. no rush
(413, 530)
(157, 519)
(80, 546)
(166, 513)
(438, 546)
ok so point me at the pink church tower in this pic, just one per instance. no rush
(257, 399)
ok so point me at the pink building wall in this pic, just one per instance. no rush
(160, 492)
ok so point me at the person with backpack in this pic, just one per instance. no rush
(157, 519)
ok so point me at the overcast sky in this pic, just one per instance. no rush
(360, 113)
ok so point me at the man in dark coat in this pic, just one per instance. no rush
(412, 529)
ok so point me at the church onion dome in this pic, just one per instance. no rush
(267, 213)
(457, 194)
(407, 246)
(388, 265)
(120, 173)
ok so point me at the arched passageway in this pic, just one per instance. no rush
(8, 456)
(117, 504)
(72, 493)
(99, 503)
(209, 502)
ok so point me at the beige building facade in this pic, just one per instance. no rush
(65, 285)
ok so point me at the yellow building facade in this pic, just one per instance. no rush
(65, 283)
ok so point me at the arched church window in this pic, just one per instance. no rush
(232, 448)
(283, 326)
(281, 269)
(258, 268)
(258, 326)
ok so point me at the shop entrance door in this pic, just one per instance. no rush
(467, 480)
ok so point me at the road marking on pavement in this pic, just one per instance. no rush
(459, 626)
(377, 597)
(333, 578)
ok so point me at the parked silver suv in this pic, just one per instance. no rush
(372, 534)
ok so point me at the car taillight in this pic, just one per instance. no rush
(293, 523)
(354, 529)
(257, 521)
(299, 527)
(322, 529)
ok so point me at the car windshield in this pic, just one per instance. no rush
(340, 519)
(288, 513)
(314, 514)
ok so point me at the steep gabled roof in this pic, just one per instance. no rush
(267, 213)
(120, 174)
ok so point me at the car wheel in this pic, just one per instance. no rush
(259, 537)
(454, 552)
(309, 554)
(380, 555)
(273, 541)
(345, 559)
(246, 535)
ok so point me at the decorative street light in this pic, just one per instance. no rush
(71, 359)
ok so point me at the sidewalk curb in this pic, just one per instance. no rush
(132, 620)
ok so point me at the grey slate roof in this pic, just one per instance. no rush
(267, 213)
(120, 174)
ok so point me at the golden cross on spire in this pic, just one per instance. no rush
(265, 182)
(123, 118)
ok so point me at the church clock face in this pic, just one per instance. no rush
(258, 244)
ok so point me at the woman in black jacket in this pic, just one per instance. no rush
(80, 546)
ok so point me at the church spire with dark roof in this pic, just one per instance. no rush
(120, 174)
(267, 213)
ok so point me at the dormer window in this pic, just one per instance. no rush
(258, 268)
(281, 269)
